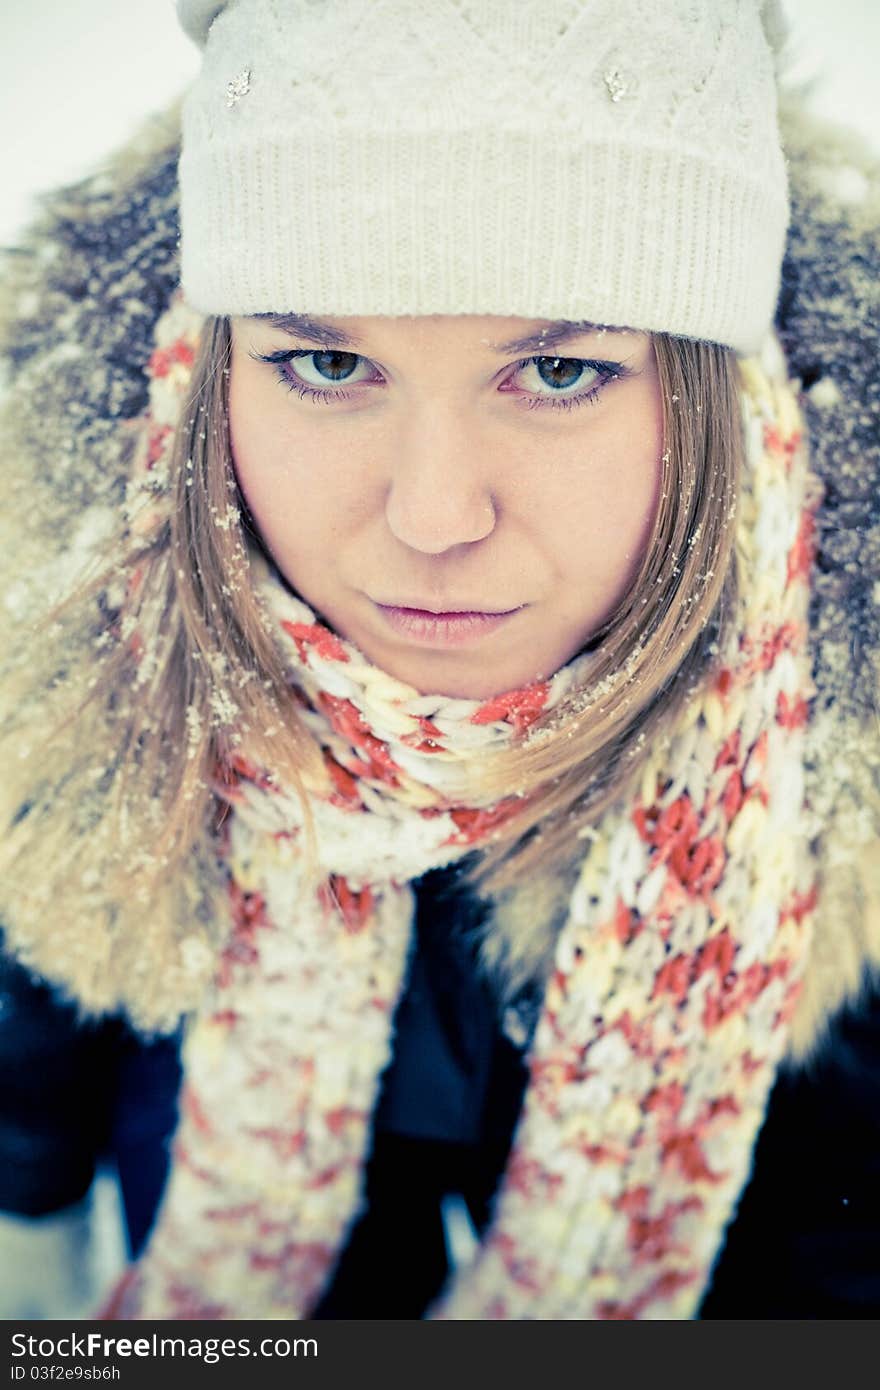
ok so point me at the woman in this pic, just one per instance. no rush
(453, 763)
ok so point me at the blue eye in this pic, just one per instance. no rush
(558, 373)
(338, 365)
(562, 373)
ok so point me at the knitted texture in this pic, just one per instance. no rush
(614, 163)
(79, 302)
(676, 972)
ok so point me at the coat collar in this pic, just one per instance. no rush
(84, 291)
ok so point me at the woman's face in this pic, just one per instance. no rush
(463, 505)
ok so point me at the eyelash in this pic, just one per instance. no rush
(609, 371)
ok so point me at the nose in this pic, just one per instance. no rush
(437, 495)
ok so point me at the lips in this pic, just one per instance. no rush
(449, 611)
(452, 628)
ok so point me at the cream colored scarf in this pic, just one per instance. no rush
(676, 971)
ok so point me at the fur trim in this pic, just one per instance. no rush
(76, 329)
(829, 324)
(76, 322)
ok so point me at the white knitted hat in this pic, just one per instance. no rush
(610, 160)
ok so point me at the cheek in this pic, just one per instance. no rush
(635, 470)
(632, 497)
(254, 444)
(280, 469)
(603, 512)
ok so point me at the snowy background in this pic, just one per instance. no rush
(80, 75)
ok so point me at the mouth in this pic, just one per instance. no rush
(456, 628)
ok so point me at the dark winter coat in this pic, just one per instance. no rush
(806, 1241)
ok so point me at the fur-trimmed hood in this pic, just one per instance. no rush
(79, 306)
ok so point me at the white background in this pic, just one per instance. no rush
(80, 75)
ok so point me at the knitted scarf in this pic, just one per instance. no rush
(663, 1022)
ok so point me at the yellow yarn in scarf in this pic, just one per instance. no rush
(677, 972)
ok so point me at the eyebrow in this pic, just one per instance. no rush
(314, 330)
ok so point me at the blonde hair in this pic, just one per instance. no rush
(649, 651)
(178, 673)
